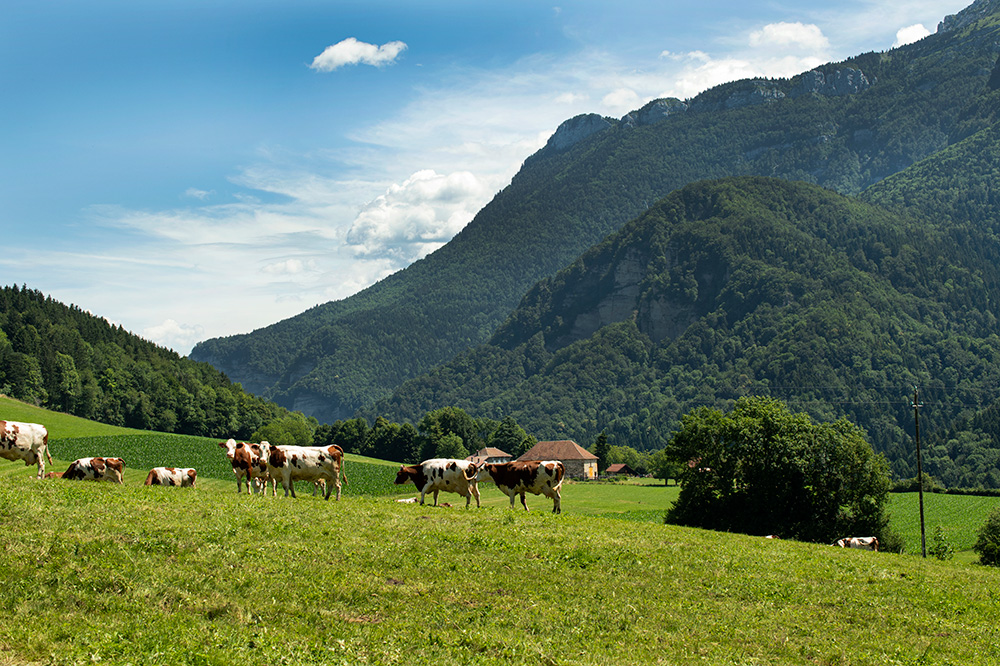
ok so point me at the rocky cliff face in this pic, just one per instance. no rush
(977, 10)
(736, 95)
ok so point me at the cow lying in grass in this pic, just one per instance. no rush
(96, 469)
(863, 543)
(172, 476)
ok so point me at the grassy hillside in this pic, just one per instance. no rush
(127, 574)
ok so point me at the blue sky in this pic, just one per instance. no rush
(197, 169)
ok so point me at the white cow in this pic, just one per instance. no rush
(25, 441)
(306, 463)
(539, 477)
(437, 474)
(863, 543)
(184, 477)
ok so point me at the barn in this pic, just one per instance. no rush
(619, 469)
(579, 462)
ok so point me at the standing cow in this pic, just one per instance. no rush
(437, 474)
(306, 463)
(539, 477)
(96, 469)
(172, 476)
(248, 462)
(25, 441)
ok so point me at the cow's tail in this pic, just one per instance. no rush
(47, 454)
(343, 470)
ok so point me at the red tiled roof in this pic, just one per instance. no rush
(560, 450)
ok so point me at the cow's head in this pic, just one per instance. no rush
(403, 475)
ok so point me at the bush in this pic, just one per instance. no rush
(940, 547)
(988, 543)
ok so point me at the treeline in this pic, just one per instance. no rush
(63, 358)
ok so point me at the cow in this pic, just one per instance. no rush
(96, 469)
(306, 463)
(539, 477)
(863, 543)
(248, 463)
(437, 474)
(184, 477)
(25, 441)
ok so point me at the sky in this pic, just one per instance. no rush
(191, 169)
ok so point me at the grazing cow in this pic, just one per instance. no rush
(25, 441)
(306, 463)
(537, 477)
(248, 463)
(437, 474)
(172, 476)
(863, 543)
(96, 469)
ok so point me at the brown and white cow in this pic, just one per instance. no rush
(25, 441)
(96, 469)
(863, 543)
(172, 476)
(248, 463)
(447, 474)
(539, 477)
(306, 463)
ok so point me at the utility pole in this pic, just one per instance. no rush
(920, 474)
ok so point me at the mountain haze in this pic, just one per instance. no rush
(844, 126)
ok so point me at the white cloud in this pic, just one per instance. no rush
(621, 101)
(352, 52)
(174, 335)
(195, 193)
(910, 34)
(417, 216)
(790, 35)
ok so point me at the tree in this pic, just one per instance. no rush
(663, 467)
(760, 469)
(987, 544)
(451, 446)
(291, 430)
(600, 449)
(511, 438)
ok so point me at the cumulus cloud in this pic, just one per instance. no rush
(174, 335)
(417, 216)
(910, 34)
(790, 35)
(352, 52)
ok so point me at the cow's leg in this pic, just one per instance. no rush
(436, 491)
(475, 492)
(512, 496)
(423, 491)
(523, 502)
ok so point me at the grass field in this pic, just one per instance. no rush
(99, 573)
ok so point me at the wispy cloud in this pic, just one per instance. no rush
(352, 52)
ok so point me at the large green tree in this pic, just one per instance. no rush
(761, 469)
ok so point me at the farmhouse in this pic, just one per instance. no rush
(579, 462)
(619, 469)
(490, 454)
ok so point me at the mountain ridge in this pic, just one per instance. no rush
(337, 357)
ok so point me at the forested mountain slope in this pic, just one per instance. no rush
(844, 126)
(63, 358)
(736, 287)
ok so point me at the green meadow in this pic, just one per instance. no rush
(99, 573)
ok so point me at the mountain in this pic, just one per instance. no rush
(844, 126)
(735, 287)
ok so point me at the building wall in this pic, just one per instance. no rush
(586, 469)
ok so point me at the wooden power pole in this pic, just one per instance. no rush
(920, 474)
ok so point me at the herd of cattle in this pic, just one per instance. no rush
(258, 465)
